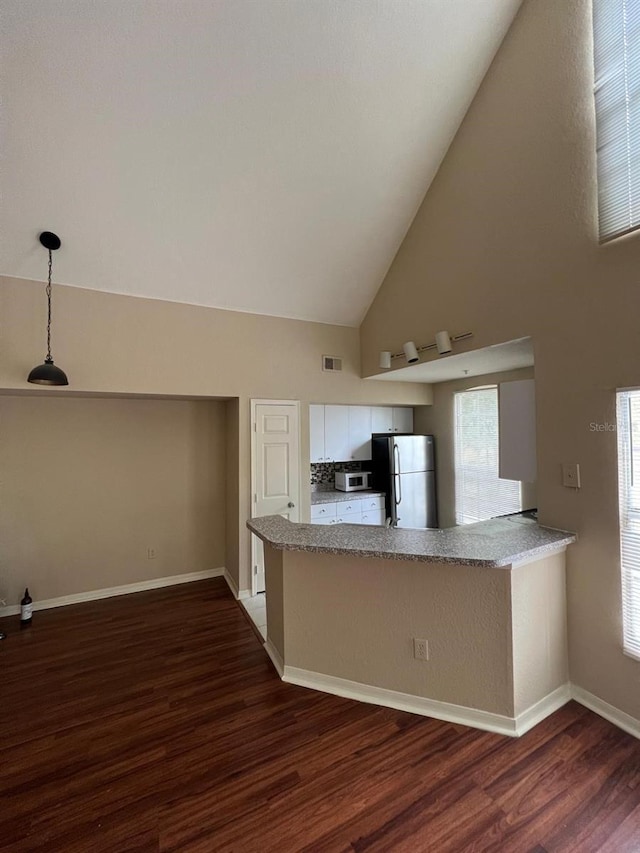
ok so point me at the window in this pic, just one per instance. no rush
(616, 36)
(629, 493)
(480, 493)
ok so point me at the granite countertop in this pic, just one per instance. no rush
(327, 496)
(499, 542)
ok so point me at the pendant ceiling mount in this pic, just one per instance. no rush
(47, 373)
(50, 240)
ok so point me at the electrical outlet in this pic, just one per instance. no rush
(420, 649)
(151, 553)
(571, 475)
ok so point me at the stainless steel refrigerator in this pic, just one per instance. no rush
(403, 467)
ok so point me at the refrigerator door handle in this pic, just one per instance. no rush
(396, 453)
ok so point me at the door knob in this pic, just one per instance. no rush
(291, 504)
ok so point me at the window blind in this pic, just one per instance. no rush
(616, 36)
(629, 496)
(480, 493)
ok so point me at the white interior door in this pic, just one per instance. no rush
(275, 471)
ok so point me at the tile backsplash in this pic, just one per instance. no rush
(323, 473)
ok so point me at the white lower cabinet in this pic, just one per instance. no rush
(323, 513)
(355, 511)
(374, 516)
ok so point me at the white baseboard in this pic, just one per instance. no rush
(126, 589)
(276, 660)
(238, 594)
(512, 726)
(604, 709)
(401, 701)
(544, 708)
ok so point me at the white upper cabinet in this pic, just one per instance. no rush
(343, 433)
(402, 420)
(381, 419)
(336, 433)
(517, 405)
(316, 434)
(360, 432)
(388, 419)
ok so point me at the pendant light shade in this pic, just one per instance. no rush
(47, 373)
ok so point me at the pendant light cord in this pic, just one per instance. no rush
(49, 311)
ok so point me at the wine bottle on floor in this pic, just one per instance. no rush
(26, 609)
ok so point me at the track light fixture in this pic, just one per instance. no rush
(385, 360)
(443, 343)
(410, 352)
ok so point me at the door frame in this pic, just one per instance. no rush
(252, 426)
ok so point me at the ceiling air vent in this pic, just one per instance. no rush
(331, 362)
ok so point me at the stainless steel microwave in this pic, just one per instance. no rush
(352, 481)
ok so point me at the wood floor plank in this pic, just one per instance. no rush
(155, 723)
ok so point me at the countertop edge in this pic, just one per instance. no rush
(520, 555)
(336, 496)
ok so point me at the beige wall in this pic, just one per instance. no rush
(356, 618)
(233, 521)
(505, 245)
(438, 420)
(497, 637)
(88, 485)
(125, 345)
(274, 578)
(539, 630)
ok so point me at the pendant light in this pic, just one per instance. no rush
(48, 373)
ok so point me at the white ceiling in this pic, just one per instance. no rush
(258, 155)
(494, 359)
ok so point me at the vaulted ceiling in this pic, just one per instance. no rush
(258, 155)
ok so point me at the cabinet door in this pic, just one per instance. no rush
(351, 518)
(323, 513)
(336, 433)
(374, 516)
(402, 419)
(369, 504)
(517, 407)
(360, 432)
(381, 419)
(348, 512)
(316, 434)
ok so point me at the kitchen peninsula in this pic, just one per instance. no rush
(346, 602)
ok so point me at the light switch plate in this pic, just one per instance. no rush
(571, 475)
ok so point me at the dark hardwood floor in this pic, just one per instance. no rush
(155, 722)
